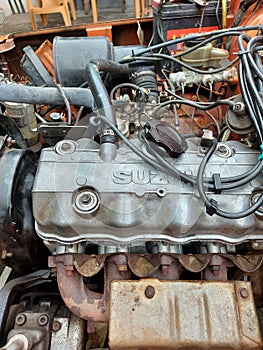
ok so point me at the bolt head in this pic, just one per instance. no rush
(43, 319)
(56, 326)
(149, 292)
(20, 319)
(244, 293)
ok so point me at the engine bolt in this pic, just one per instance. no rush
(65, 146)
(244, 293)
(56, 326)
(149, 292)
(20, 319)
(43, 320)
(86, 199)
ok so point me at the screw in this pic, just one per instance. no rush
(149, 292)
(56, 326)
(244, 293)
(43, 320)
(20, 319)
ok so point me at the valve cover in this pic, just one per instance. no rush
(78, 197)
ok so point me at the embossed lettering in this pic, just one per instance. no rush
(122, 177)
(141, 177)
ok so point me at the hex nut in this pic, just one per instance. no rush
(86, 201)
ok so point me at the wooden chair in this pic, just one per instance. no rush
(94, 7)
(142, 8)
(51, 6)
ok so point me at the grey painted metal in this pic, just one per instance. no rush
(138, 203)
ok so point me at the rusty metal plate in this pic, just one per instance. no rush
(153, 314)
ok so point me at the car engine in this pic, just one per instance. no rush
(131, 204)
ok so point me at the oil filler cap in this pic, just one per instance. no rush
(164, 135)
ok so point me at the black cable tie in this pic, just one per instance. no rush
(213, 208)
(217, 183)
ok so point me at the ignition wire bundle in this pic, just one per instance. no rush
(250, 74)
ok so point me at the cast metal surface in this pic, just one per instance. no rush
(68, 333)
(35, 327)
(137, 202)
(182, 315)
(94, 306)
(12, 288)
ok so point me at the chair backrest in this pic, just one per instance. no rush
(44, 3)
(51, 3)
(29, 4)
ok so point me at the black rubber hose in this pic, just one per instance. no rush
(200, 174)
(127, 85)
(44, 95)
(164, 166)
(97, 87)
(250, 48)
(206, 41)
(198, 105)
(250, 77)
(248, 99)
(249, 90)
(129, 144)
(194, 36)
(154, 56)
(147, 80)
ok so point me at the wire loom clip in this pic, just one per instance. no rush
(213, 208)
(217, 183)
